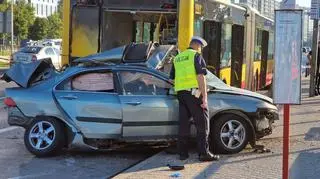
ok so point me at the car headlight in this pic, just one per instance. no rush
(271, 114)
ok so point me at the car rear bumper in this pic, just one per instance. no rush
(17, 118)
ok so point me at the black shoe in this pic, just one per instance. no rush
(184, 156)
(208, 157)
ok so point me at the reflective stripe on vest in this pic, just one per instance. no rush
(185, 72)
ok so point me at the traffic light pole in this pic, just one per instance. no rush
(314, 58)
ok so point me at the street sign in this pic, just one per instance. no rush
(314, 11)
(287, 76)
(288, 54)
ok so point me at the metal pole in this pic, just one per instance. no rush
(286, 135)
(12, 27)
(314, 58)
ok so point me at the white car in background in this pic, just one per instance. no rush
(33, 53)
(56, 43)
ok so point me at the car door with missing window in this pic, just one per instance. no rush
(149, 111)
(90, 99)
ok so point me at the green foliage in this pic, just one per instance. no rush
(4, 6)
(54, 26)
(25, 25)
(39, 30)
(3, 64)
(23, 19)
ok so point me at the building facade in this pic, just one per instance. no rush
(265, 7)
(307, 26)
(44, 8)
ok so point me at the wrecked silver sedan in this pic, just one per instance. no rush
(121, 96)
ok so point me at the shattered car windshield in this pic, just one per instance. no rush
(215, 82)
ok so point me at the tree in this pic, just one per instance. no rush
(39, 30)
(23, 19)
(4, 6)
(54, 26)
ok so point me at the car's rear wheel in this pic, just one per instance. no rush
(44, 137)
(229, 134)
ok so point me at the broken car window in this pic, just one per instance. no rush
(137, 83)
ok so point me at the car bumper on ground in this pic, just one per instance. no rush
(17, 118)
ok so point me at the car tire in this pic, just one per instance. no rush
(221, 134)
(45, 142)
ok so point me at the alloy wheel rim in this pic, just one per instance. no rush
(232, 134)
(42, 135)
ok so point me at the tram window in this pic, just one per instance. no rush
(139, 32)
(226, 35)
(146, 31)
(258, 45)
(270, 46)
(198, 24)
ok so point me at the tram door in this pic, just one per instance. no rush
(237, 55)
(264, 58)
(212, 34)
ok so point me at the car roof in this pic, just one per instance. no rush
(138, 67)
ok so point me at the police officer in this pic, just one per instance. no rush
(188, 72)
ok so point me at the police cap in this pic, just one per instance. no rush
(199, 40)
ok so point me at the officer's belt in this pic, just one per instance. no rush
(190, 89)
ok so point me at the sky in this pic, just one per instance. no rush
(304, 3)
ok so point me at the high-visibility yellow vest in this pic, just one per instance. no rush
(185, 71)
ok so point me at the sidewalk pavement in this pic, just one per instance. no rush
(304, 153)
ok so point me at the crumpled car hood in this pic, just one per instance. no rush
(113, 56)
(26, 74)
(116, 55)
(238, 91)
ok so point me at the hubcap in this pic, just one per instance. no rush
(42, 135)
(232, 134)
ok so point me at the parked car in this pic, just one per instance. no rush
(33, 53)
(122, 96)
(56, 43)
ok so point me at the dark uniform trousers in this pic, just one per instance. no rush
(190, 106)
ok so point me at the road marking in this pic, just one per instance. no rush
(7, 129)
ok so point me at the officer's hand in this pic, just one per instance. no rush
(204, 104)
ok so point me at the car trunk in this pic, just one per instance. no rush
(26, 75)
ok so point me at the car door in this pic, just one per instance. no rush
(149, 111)
(89, 98)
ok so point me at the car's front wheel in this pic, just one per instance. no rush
(44, 137)
(229, 134)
